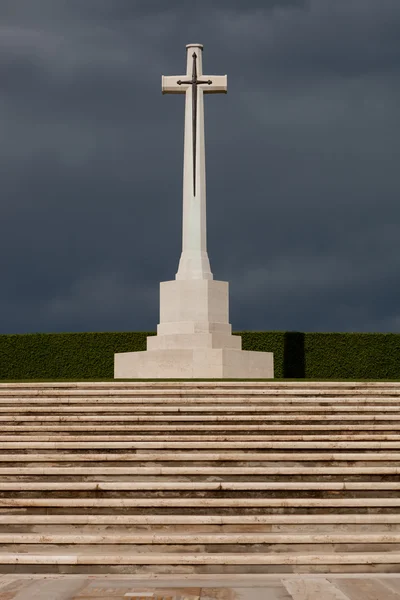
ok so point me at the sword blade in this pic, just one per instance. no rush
(194, 105)
(194, 119)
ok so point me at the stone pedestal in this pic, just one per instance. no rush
(194, 338)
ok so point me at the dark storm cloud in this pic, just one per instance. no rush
(302, 161)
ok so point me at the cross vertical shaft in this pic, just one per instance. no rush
(194, 262)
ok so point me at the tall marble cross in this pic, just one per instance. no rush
(194, 262)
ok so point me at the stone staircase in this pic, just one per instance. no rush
(200, 477)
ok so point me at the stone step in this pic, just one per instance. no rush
(328, 558)
(196, 438)
(158, 429)
(203, 457)
(205, 538)
(199, 445)
(195, 471)
(194, 530)
(176, 520)
(309, 400)
(195, 383)
(199, 418)
(167, 454)
(158, 486)
(181, 408)
(186, 503)
(201, 390)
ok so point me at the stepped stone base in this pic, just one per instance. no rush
(194, 362)
(194, 339)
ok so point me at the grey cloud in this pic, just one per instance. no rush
(302, 167)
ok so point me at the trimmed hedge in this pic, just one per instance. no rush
(296, 354)
(65, 355)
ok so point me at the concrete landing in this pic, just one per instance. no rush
(189, 587)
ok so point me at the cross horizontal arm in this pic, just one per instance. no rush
(169, 84)
(219, 84)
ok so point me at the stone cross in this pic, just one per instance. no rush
(194, 262)
(194, 337)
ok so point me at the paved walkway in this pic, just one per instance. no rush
(192, 587)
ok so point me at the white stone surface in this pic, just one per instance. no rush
(200, 558)
(198, 301)
(193, 314)
(194, 262)
(250, 586)
(192, 341)
(50, 589)
(194, 338)
(193, 362)
(314, 589)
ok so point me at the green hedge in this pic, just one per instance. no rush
(65, 355)
(296, 354)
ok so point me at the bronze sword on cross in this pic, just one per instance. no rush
(213, 84)
(194, 82)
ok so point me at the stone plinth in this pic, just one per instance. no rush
(202, 363)
(194, 338)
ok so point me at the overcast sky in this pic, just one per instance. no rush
(302, 161)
